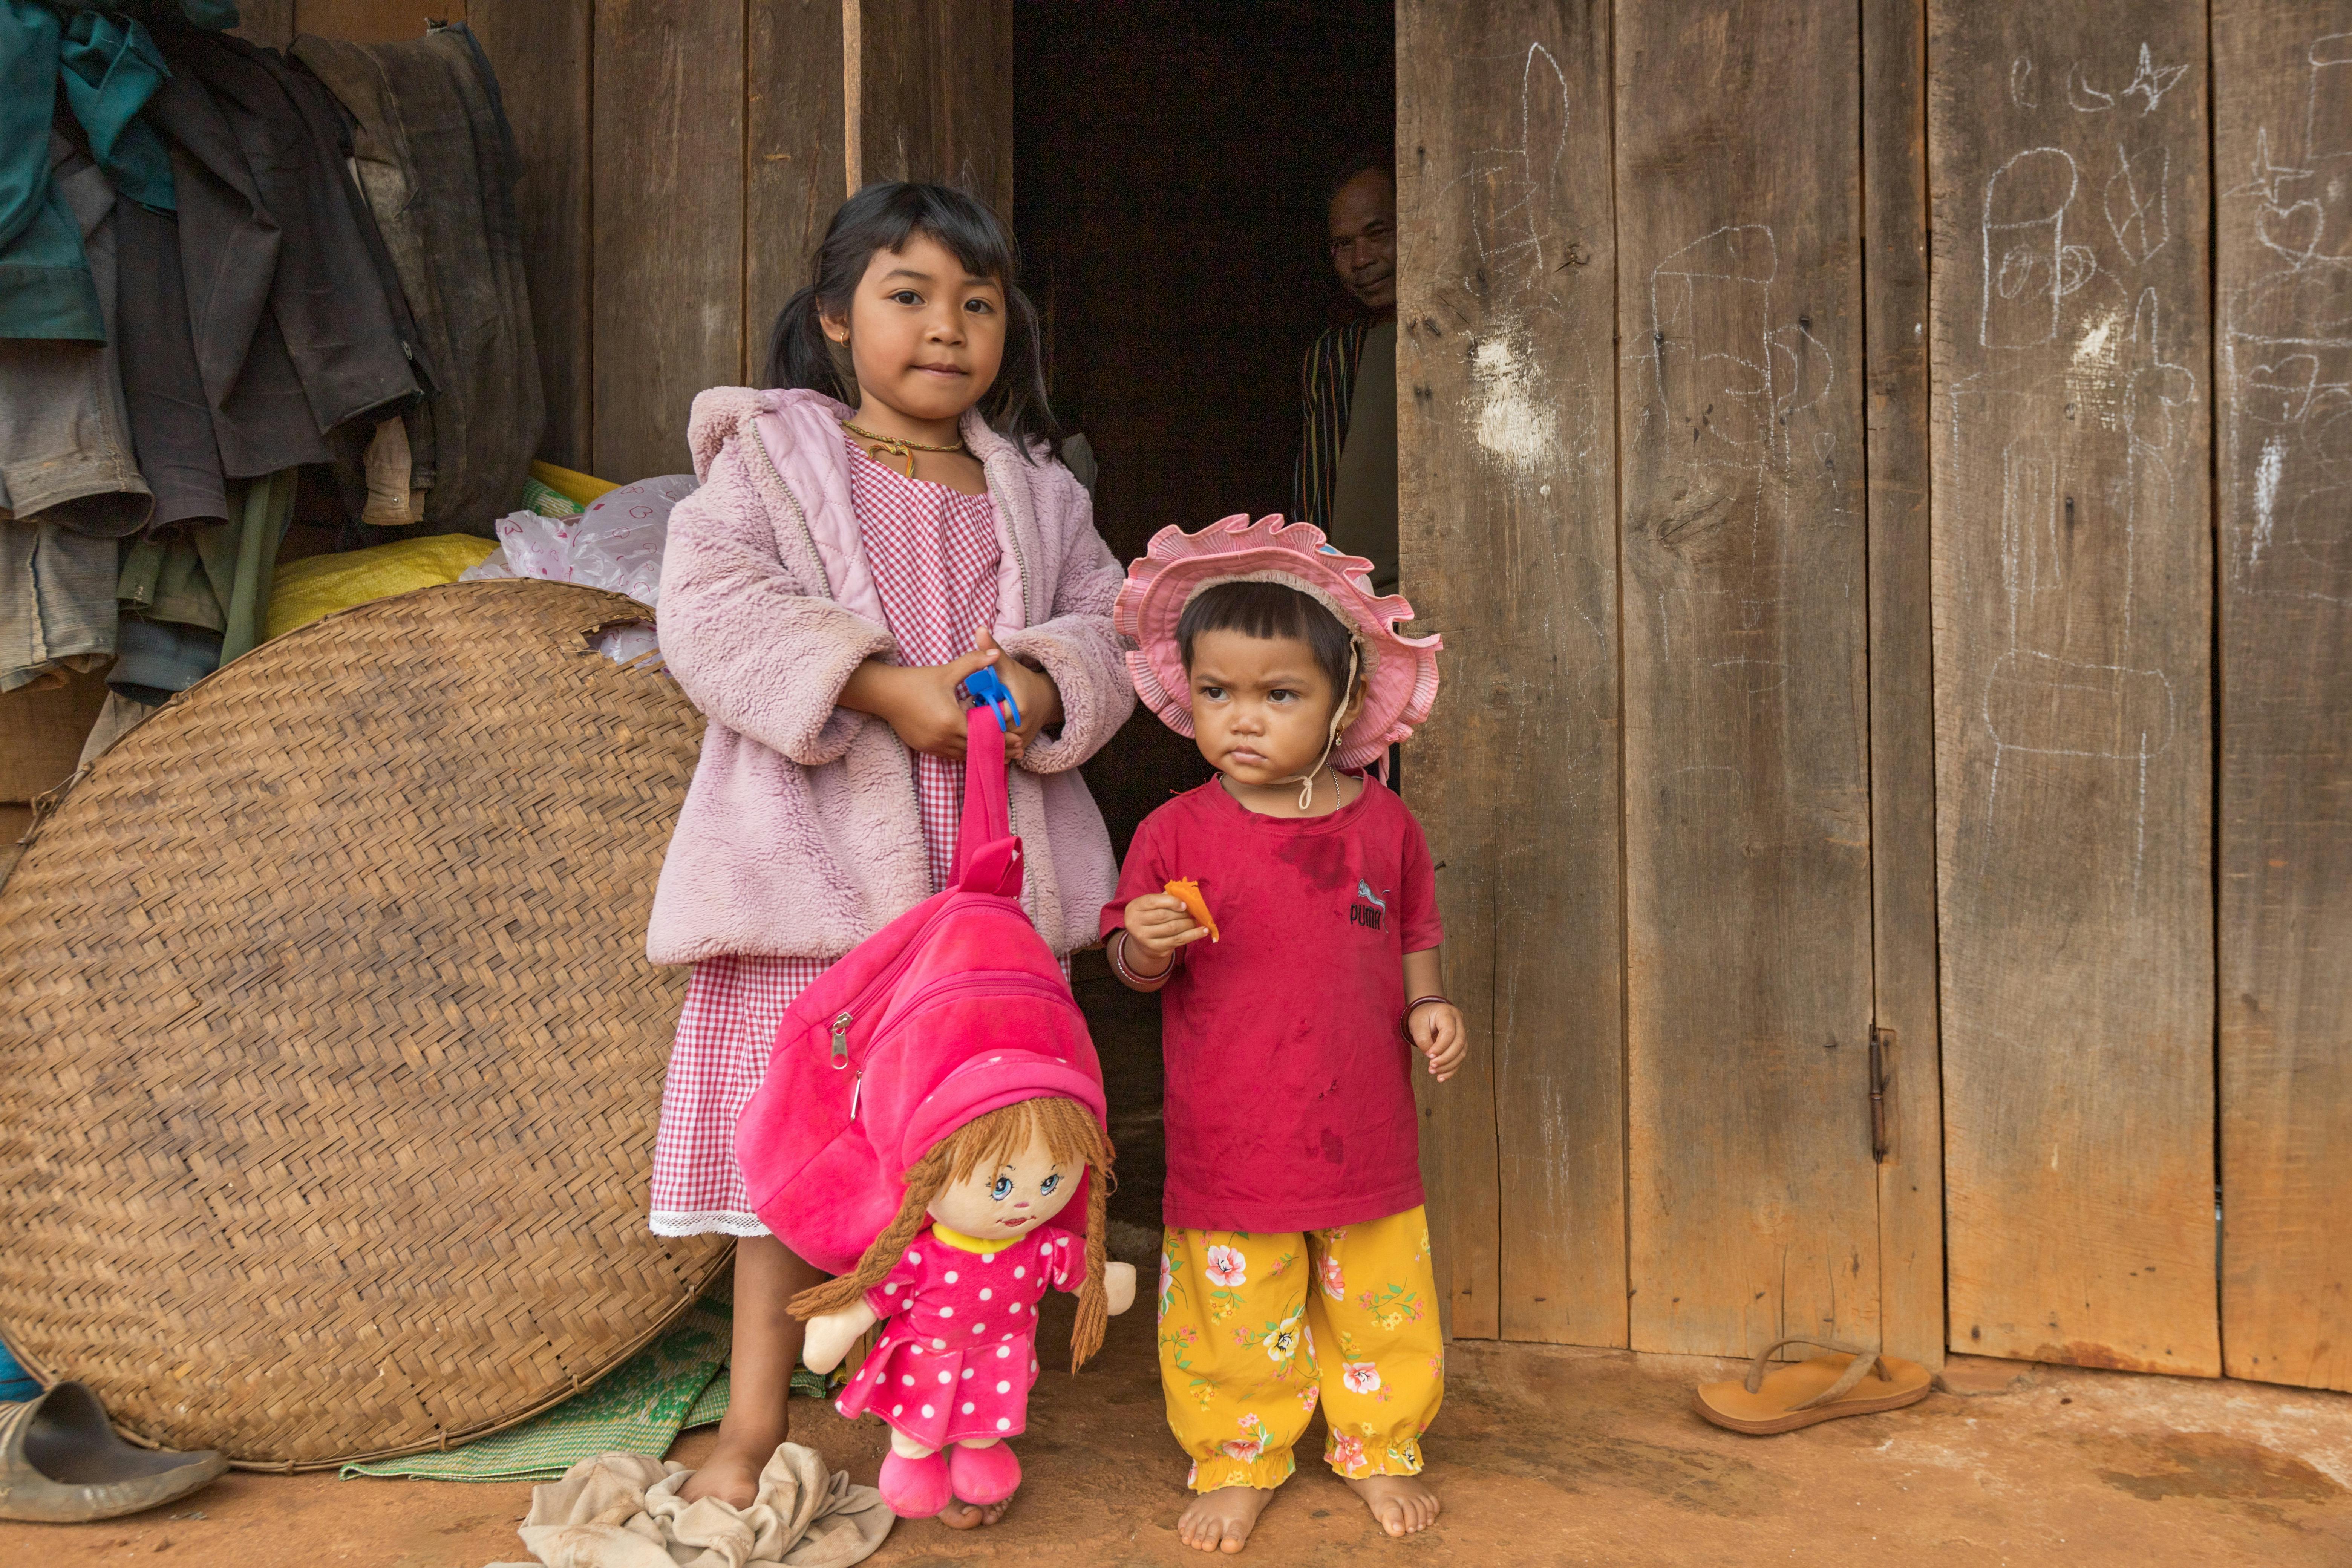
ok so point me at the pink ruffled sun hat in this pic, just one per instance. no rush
(1400, 672)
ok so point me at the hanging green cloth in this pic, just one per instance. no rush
(192, 599)
(45, 289)
(109, 66)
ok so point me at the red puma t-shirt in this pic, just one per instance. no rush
(1289, 1087)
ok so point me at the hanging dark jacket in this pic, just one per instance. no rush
(325, 295)
(438, 162)
(292, 334)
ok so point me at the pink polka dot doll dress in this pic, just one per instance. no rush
(958, 1347)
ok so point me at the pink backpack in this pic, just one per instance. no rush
(954, 1010)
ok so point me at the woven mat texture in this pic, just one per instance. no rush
(640, 1407)
(332, 1059)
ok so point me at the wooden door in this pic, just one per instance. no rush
(2067, 156)
(1751, 1187)
(2282, 286)
(1505, 393)
(1632, 410)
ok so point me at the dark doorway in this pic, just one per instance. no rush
(1170, 165)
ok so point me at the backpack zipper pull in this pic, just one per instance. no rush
(841, 1023)
(855, 1089)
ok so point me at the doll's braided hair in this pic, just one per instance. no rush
(1072, 1137)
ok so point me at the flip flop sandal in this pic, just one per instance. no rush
(1850, 1383)
(60, 1463)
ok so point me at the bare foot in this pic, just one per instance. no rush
(1401, 1505)
(731, 1473)
(1221, 1520)
(962, 1515)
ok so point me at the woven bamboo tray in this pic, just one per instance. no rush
(331, 1058)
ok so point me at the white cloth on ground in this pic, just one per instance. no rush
(623, 1510)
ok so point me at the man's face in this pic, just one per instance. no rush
(1363, 240)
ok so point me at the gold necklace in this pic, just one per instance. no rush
(896, 445)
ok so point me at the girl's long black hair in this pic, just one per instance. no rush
(883, 216)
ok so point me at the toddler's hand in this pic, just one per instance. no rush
(1438, 1034)
(1158, 923)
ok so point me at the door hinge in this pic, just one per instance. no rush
(1882, 1074)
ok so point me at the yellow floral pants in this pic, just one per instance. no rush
(1255, 1328)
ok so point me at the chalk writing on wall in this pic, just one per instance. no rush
(2287, 346)
(2083, 390)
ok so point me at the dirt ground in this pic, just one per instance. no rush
(1542, 1456)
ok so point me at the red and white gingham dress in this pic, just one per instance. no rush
(934, 555)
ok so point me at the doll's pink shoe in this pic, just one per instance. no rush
(984, 1476)
(915, 1489)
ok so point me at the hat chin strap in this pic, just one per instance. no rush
(1305, 780)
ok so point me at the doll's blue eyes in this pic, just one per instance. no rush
(1001, 1189)
(1050, 1183)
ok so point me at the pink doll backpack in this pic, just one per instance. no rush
(953, 1010)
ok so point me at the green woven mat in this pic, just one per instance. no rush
(675, 1384)
(639, 1408)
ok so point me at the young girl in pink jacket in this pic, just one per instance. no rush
(838, 574)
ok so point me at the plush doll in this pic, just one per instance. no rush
(956, 1279)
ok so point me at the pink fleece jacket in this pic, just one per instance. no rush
(800, 835)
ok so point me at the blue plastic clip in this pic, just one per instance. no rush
(985, 686)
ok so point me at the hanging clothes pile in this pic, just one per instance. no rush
(434, 152)
(198, 298)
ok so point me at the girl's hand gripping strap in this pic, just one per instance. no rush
(988, 687)
(987, 856)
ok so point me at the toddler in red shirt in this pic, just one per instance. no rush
(1295, 1266)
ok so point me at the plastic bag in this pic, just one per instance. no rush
(319, 585)
(616, 544)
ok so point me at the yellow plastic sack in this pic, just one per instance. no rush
(321, 584)
(570, 483)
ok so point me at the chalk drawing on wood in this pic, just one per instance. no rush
(2286, 346)
(2081, 97)
(2138, 206)
(1529, 415)
(1729, 372)
(2103, 364)
(2028, 268)
(2150, 83)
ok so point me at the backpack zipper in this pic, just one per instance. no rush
(993, 982)
(937, 988)
(843, 1020)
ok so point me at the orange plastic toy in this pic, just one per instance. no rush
(1189, 890)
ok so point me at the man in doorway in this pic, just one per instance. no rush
(1346, 478)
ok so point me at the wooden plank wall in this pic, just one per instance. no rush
(665, 155)
(2283, 160)
(541, 49)
(934, 96)
(2073, 593)
(1902, 724)
(681, 162)
(1752, 1193)
(1505, 383)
